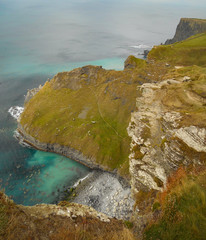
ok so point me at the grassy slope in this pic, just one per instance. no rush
(183, 213)
(189, 52)
(92, 118)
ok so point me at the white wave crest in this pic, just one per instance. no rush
(141, 46)
(81, 180)
(18, 136)
(16, 111)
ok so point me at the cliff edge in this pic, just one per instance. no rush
(186, 28)
(55, 222)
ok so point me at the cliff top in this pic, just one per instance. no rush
(193, 20)
(87, 109)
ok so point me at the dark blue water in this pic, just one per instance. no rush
(39, 39)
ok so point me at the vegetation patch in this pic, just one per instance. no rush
(144, 200)
(188, 52)
(183, 208)
(137, 153)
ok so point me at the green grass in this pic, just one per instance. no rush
(135, 62)
(92, 118)
(188, 52)
(3, 219)
(184, 213)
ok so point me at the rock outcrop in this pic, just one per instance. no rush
(160, 142)
(31, 92)
(186, 28)
(106, 193)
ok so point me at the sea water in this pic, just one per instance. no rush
(39, 38)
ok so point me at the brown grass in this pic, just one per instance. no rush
(181, 207)
(89, 232)
(22, 223)
(174, 180)
(144, 200)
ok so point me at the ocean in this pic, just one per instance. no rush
(39, 39)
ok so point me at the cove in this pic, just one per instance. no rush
(42, 177)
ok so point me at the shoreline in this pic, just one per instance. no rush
(25, 138)
(71, 153)
(105, 191)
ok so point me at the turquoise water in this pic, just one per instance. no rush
(43, 177)
(39, 38)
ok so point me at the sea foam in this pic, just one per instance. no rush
(16, 111)
(141, 46)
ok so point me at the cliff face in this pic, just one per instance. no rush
(165, 132)
(186, 28)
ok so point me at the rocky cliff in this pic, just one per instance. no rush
(154, 112)
(186, 28)
(168, 145)
(162, 138)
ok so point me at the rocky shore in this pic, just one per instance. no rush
(106, 193)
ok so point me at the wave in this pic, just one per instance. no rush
(81, 180)
(18, 136)
(16, 111)
(141, 46)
